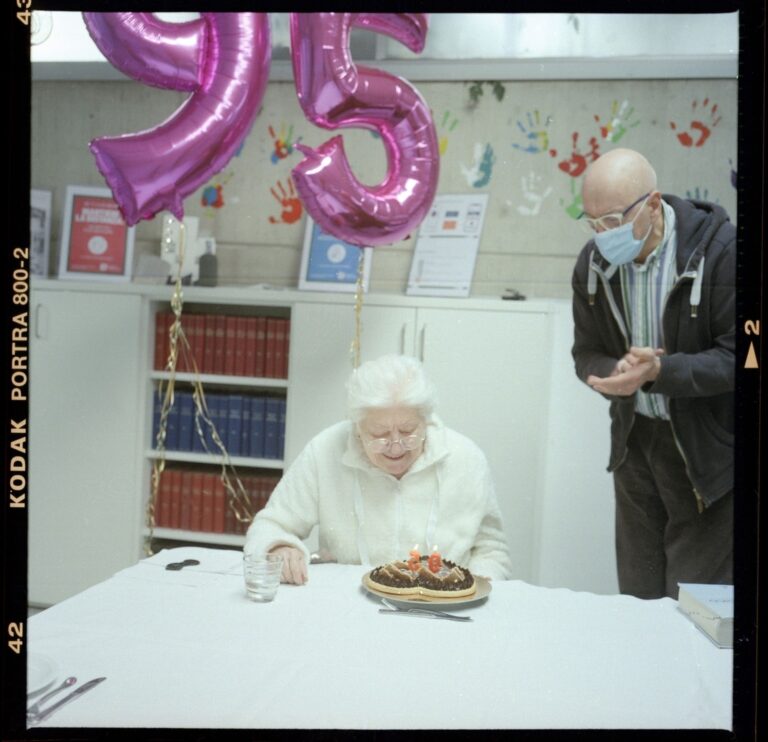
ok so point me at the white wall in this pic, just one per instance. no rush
(530, 240)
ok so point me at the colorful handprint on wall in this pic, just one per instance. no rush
(291, 208)
(213, 196)
(575, 207)
(577, 162)
(447, 125)
(283, 143)
(698, 130)
(700, 194)
(533, 195)
(479, 174)
(618, 122)
(534, 133)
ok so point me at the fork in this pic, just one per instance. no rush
(35, 707)
(426, 612)
(36, 718)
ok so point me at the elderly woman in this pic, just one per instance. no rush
(389, 477)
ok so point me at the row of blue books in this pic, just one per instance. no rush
(247, 425)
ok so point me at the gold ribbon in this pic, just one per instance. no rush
(354, 349)
(237, 499)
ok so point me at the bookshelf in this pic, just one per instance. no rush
(241, 354)
(197, 458)
(253, 382)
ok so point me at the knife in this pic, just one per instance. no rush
(426, 612)
(45, 713)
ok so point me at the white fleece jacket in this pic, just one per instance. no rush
(364, 514)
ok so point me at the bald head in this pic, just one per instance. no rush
(615, 180)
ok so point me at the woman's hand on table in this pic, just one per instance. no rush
(294, 564)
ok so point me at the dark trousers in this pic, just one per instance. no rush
(661, 538)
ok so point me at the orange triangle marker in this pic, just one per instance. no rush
(751, 361)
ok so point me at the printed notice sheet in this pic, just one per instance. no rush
(446, 249)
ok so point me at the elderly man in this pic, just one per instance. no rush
(653, 307)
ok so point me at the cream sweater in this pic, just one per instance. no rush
(365, 515)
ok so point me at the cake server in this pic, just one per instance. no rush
(426, 612)
(45, 713)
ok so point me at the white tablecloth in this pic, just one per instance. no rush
(188, 649)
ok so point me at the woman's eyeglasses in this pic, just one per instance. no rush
(381, 445)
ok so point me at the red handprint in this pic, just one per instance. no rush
(699, 127)
(577, 163)
(292, 208)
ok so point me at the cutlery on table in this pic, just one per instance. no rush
(176, 566)
(36, 718)
(35, 707)
(426, 612)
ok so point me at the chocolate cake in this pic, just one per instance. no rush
(397, 578)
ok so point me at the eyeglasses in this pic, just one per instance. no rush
(409, 443)
(608, 221)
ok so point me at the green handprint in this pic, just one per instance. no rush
(447, 125)
(576, 208)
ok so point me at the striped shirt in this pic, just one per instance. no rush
(645, 288)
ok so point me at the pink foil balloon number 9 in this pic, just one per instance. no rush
(223, 59)
(333, 93)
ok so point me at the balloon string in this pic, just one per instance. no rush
(237, 497)
(166, 393)
(359, 291)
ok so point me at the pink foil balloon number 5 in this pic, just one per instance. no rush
(333, 93)
(223, 59)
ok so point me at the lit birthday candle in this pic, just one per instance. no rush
(435, 561)
(415, 560)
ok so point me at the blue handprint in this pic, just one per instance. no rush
(699, 194)
(537, 139)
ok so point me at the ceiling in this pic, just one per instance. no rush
(488, 45)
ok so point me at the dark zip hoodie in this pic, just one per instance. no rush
(698, 325)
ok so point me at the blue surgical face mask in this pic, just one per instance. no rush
(619, 246)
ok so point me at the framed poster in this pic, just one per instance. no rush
(96, 243)
(39, 231)
(446, 250)
(330, 264)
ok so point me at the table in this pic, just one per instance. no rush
(187, 649)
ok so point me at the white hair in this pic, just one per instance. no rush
(390, 381)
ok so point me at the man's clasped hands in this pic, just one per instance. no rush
(638, 367)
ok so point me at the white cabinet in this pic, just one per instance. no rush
(84, 514)
(489, 368)
(575, 504)
(321, 361)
